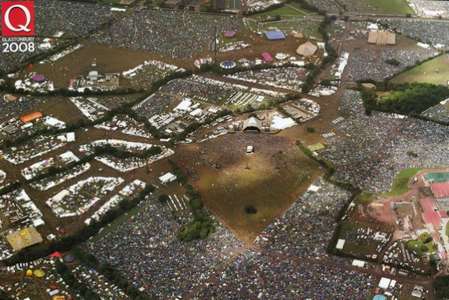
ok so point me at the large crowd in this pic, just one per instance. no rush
(146, 248)
(75, 19)
(430, 31)
(375, 63)
(171, 33)
(430, 8)
(384, 145)
(290, 260)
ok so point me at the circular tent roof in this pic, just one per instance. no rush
(228, 64)
(307, 49)
(39, 273)
(38, 78)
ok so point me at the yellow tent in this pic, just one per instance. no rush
(39, 273)
(29, 272)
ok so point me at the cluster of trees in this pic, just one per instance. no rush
(180, 176)
(410, 98)
(77, 287)
(202, 224)
(111, 274)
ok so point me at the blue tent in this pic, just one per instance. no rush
(275, 35)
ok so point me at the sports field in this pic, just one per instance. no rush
(434, 71)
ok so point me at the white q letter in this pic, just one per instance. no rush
(20, 27)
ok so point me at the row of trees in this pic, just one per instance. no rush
(315, 71)
(124, 153)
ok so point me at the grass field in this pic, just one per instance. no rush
(400, 183)
(289, 9)
(434, 71)
(390, 6)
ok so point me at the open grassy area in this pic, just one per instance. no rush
(434, 71)
(400, 183)
(289, 9)
(391, 6)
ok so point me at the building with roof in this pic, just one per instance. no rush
(31, 117)
(10, 98)
(252, 124)
(382, 38)
(167, 178)
(440, 190)
(307, 49)
(274, 35)
(267, 57)
(228, 64)
(24, 238)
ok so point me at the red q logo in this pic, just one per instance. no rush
(17, 18)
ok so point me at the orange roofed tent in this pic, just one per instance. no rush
(31, 117)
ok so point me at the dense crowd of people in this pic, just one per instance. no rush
(430, 31)
(375, 63)
(75, 19)
(384, 145)
(290, 260)
(146, 248)
(172, 33)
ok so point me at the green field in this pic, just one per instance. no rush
(400, 182)
(435, 71)
(390, 6)
(287, 10)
